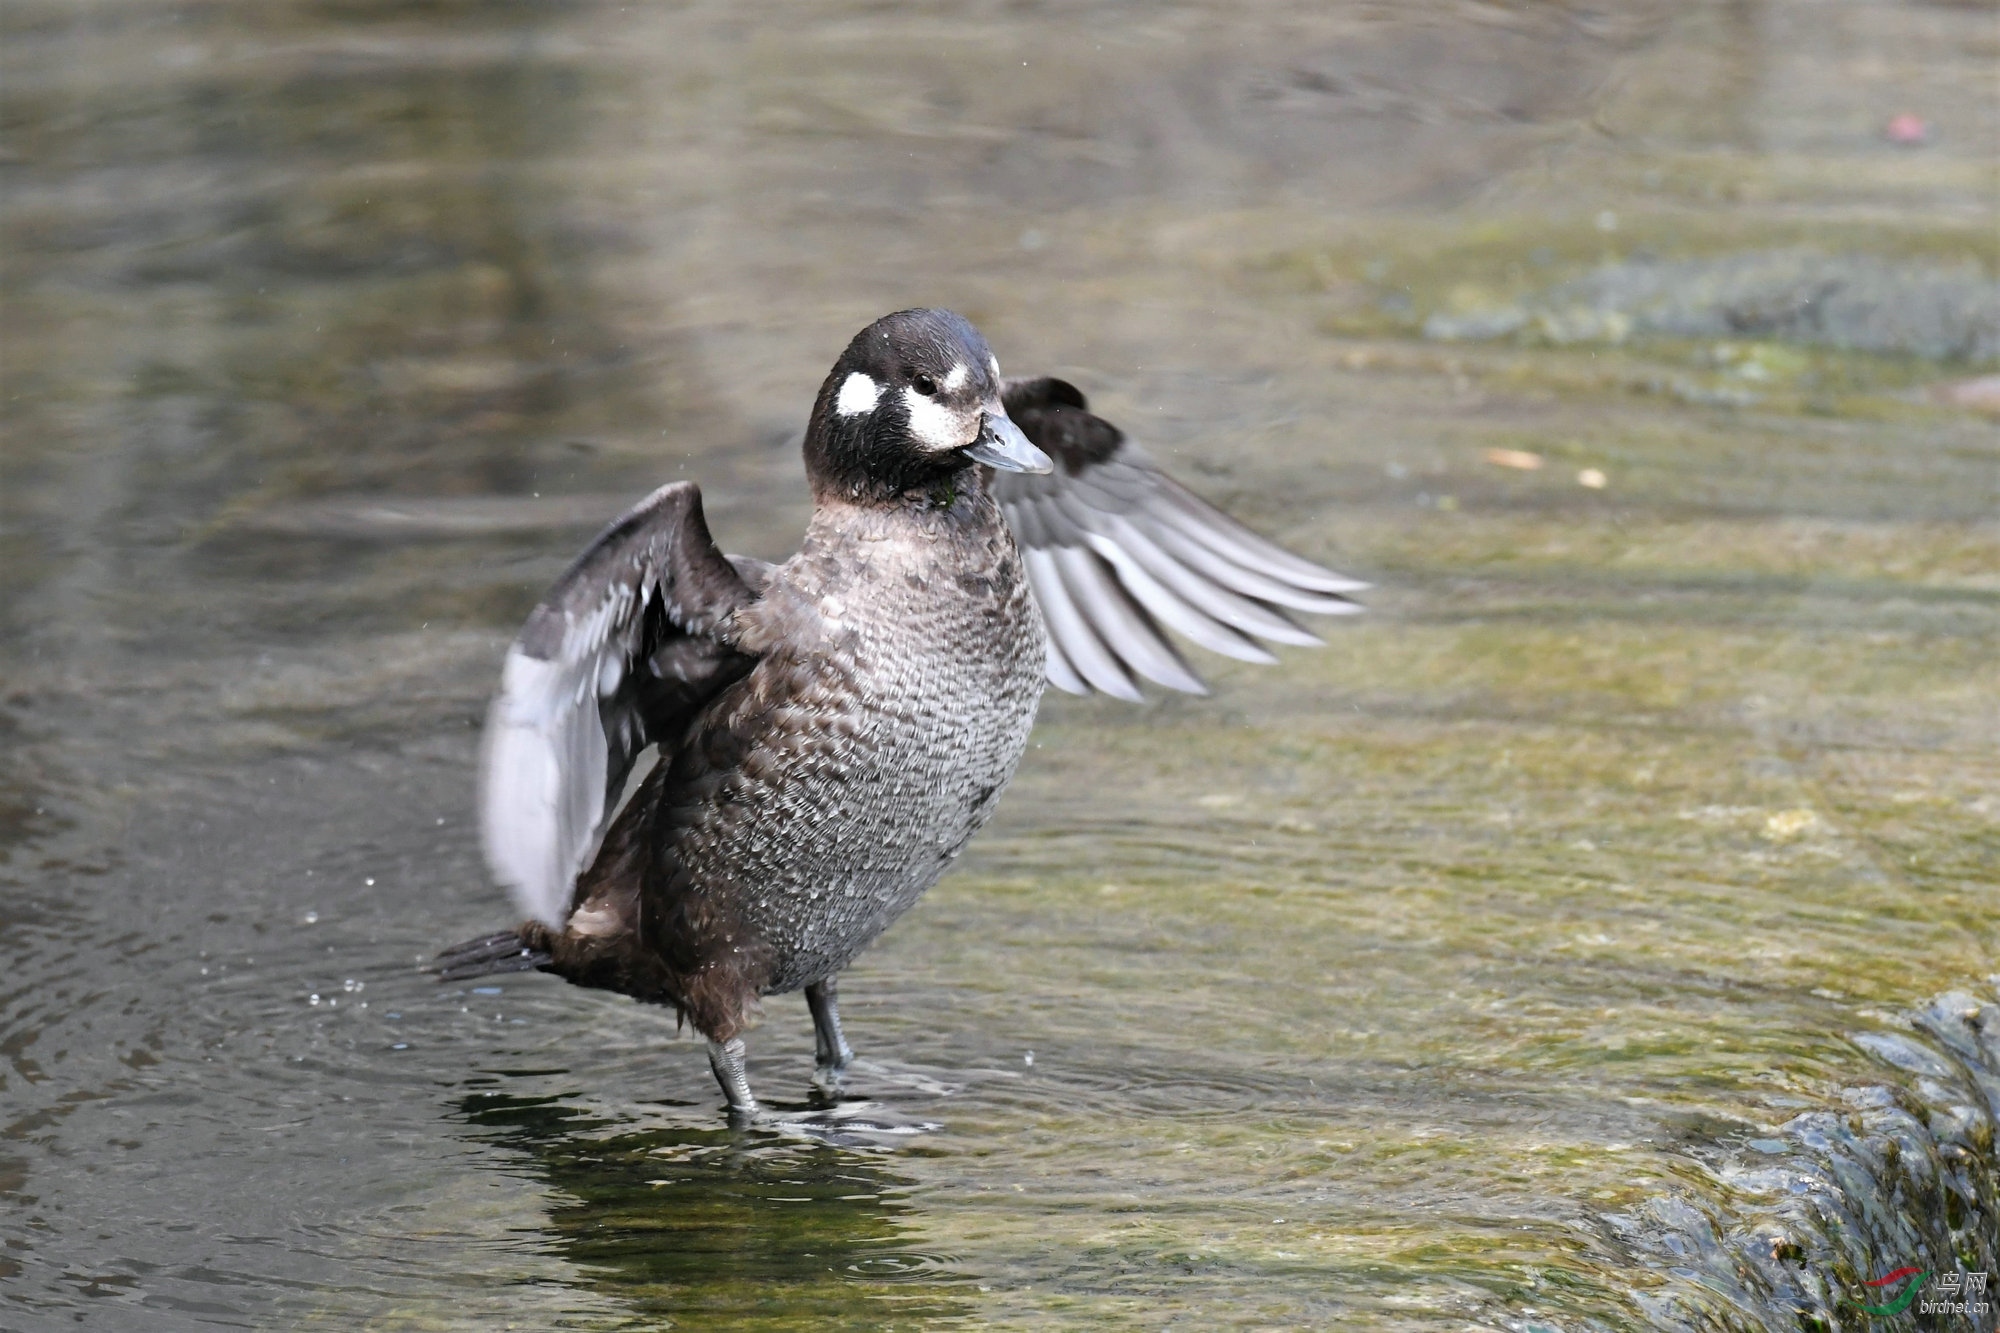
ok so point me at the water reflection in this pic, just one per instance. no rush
(332, 253)
(708, 1224)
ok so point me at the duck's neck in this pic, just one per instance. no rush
(921, 483)
(955, 503)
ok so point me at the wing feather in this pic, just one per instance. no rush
(1180, 613)
(1061, 674)
(1225, 575)
(1118, 553)
(1247, 548)
(631, 640)
(1106, 532)
(1072, 632)
(1123, 623)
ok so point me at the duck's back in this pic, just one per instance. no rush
(903, 657)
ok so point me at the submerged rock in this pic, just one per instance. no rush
(1853, 302)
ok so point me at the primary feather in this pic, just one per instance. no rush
(1117, 549)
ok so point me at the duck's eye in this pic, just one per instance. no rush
(923, 384)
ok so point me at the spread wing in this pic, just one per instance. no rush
(1117, 552)
(627, 645)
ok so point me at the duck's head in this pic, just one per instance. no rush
(912, 402)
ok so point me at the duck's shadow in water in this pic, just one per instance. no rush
(792, 1215)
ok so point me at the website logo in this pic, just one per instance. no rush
(1946, 1293)
(1887, 1285)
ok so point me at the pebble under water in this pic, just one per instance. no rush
(1598, 934)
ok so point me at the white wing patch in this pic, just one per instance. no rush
(857, 395)
(538, 827)
(933, 423)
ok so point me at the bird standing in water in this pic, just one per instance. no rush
(833, 730)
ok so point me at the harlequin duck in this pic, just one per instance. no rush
(832, 731)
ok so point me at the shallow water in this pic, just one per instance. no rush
(1450, 975)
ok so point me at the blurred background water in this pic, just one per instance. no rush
(1594, 935)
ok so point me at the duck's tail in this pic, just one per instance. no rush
(505, 952)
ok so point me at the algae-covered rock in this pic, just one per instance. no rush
(1796, 1222)
(1853, 302)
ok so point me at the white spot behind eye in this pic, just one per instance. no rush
(994, 362)
(956, 380)
(934, 424)
(857, 395)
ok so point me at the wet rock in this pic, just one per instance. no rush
(1853, 302)
(1786, 1231)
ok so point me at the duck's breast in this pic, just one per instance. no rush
(907, 662)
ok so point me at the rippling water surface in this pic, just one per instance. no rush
(1594, 935)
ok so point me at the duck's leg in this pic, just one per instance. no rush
(830, 1049)
(726, 1059)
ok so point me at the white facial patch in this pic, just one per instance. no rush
(934, 424)
(956, 380)
(994, 362)
(857, 395)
